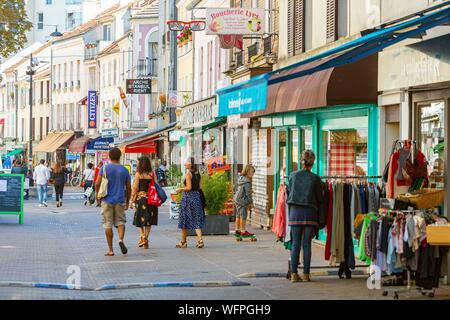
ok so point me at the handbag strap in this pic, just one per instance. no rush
(104, 172)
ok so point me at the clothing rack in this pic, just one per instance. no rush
(351, 177)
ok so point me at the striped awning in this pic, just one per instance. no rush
(54, 141)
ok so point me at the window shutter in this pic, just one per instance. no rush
(296, 27)
(332, 20)
(299, 29)
(291, 25)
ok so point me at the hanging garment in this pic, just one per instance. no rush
(333, 226)
(279, 220)
(361, 252)
(349, 250)
(391, 260)
(362, 195)
(329, 223)
(338, 227)
(341, 159)
(288, 236)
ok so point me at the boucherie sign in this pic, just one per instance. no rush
(198, 113)
(234, 21)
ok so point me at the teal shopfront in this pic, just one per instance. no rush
(324, 130)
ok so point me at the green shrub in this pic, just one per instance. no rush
(215, 188)
(175, 175)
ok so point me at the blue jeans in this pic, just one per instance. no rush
(301, 234)
(42, 193)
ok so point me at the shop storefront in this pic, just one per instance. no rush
(54, 147)
(98, 150)
(204, 134)
(419, 99)
(77, 149)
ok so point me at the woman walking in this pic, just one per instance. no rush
(88, 179)
(145, 216)
(192, 214)
(58, 176)
(304, 197)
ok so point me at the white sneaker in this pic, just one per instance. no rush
(40, 205)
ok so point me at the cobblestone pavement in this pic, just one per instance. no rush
(53, 239)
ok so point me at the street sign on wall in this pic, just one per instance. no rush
(242, 21)
(110, 133)
(92, 110)
(139, 86)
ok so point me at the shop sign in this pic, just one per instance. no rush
(415, 65)
(243, 99)
(110, 133)
(139, 86)
(198, 113)
(73, 156)
(92, 110)
(234, 21)
(217, 164)
(100, 144)
(175, 136)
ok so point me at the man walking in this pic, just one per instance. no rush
(117, 199)
(41, 177)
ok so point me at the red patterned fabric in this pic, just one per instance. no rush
(342, 160)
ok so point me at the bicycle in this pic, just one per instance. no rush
(76, 180)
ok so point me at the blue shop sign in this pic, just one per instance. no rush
(92, 109)
(100, 144)
(73, 156)
(247, 96)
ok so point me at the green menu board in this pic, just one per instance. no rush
(11, 194)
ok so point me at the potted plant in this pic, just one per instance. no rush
(216, 190)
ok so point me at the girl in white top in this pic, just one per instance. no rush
(88, 178)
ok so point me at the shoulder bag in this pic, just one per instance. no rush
(103, 190)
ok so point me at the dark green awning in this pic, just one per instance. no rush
(216, 123)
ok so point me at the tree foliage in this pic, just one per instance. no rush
(13, 26)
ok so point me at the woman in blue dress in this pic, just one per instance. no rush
(192, 214)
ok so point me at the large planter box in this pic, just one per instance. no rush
(214, 225)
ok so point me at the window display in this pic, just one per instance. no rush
(432, 141)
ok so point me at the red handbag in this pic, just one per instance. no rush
(153, 197)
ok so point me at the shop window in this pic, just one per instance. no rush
(345, 152)
(282, 154)
(295, 161)
(432, 141)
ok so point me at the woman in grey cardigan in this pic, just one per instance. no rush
(243, 200)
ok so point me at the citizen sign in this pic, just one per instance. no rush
(199, 113)
(139, 86)
(92, 110)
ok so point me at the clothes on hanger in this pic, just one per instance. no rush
(279, 219)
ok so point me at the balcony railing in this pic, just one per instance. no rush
(90, 52)
(252, 51)
(147, 67)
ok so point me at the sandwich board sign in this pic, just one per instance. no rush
(11, 195)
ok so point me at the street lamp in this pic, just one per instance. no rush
(30, 72)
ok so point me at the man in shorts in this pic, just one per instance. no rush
(116, 201)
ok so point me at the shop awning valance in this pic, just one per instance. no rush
(14, 152)
(79, 145)
(146, 146)
(145, 135)
(354, 83)
(232, 98)
(83, 101)
(54, 141)
(99, 144)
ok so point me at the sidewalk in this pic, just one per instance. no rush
(53, 239)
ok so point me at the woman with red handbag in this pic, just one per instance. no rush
(192, 213)
(145, 215)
